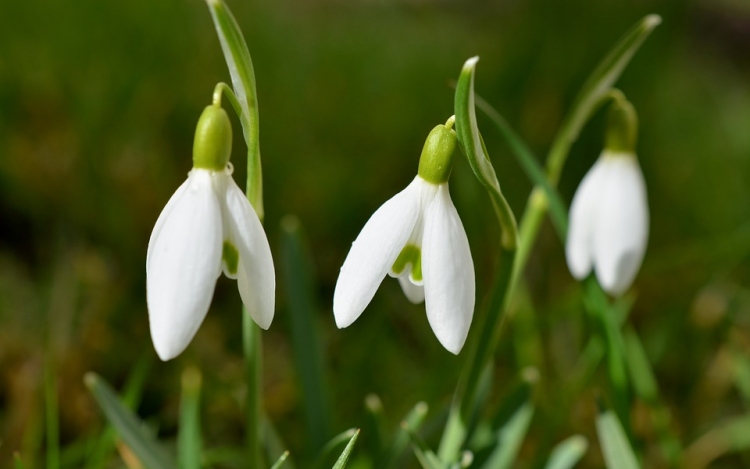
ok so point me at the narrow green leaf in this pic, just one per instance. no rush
(375, 429)
(530, 165)
(510, 437)
(279, 462)
(472, 145)
(237, 56)
(595, 90)
(426, 457)
(412, 422)
(640, 369)
(344, 458)
(129, 427)
(298, 280)
(131, 397)
(618, 454)
(189, 436)
(567, 453)
(332, 446)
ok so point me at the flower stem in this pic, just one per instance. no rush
(252, 350)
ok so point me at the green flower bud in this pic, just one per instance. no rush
(622, 126)
(213, 139)
(436, 162)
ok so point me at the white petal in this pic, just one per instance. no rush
(183, 262)
(621, 230)
(256, 278)
(413, 292)
(448, 272)
(579, 246)
(373, 253)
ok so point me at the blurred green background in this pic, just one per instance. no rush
(98, 104)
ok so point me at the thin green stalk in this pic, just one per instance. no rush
(252, 350)
(244, 100)
(189, 444)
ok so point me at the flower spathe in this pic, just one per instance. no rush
(609, 222)
(208, 226)
(418, 237)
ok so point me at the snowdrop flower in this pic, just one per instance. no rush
(609, 216)
(207, 227)
(417, 237)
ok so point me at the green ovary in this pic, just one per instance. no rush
(230, 256)
(411, 254)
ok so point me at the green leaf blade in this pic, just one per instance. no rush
(471, 143)
(128, 425)
(618, 454)
(298, 276)
(567, 453)
(510, 437)
(240, 65)
(346, 454)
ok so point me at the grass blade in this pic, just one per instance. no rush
(279, 462)
(618, 454)
(131, 397)
(330, 448)
(128, 425)
(426, 457)
(297, 272)
(344, 458)
(510, 437)
(567, 453)
(411, 423)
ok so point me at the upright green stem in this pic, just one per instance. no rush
(252, 350)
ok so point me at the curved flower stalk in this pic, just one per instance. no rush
(609, 216)
(207, 227)
(417, 237)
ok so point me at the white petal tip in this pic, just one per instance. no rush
(343, 320)
(167, 352)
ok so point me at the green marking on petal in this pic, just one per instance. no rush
(230, 256)
(410, 255)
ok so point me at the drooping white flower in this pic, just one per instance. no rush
(418, 237)
(609, 222)
(208, 226)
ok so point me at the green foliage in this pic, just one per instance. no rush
(618, 454)
(128, 426)
(95, 134)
